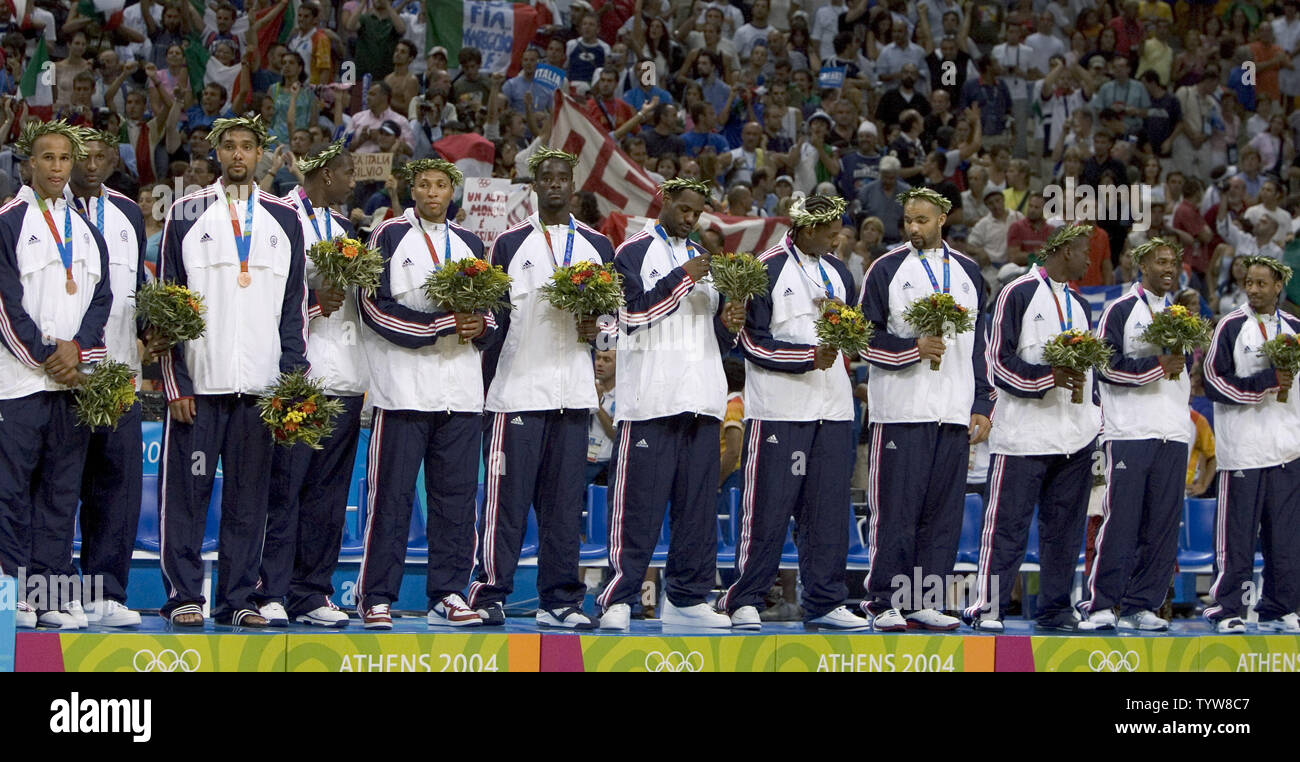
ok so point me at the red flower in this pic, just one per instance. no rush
(308, 407)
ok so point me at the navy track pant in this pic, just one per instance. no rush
(226, 426)
(1138, 540)
(916, 496)
(305, 515)
(1059, 485)
(110, 503)
(1261, 503)
(664, 462)
(42, 451)
(446, 444)
(796, 469)
(538, 459)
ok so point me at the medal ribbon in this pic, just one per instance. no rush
(311, 215)
(1069, 303)
(244, 238)
(826, 278)
(433, 251)
(947, 282)
(568, 247)
(64, 243)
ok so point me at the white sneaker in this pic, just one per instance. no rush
(328, 615)
(453, 611)
(889, 620)
(1102, 619)
(377, 617)
(1231, 626)
(699, 615)
(746, 618)
(840, 618)
(25, 618)
(932, 619)
(987, 624)
(110, 613)
(78, 614)
(1288, 623)
(571, 618)
(616, 617)
(56, 620)
(1146, 621)
(274, 614)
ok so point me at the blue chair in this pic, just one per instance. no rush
(972, 521)
(596, 527)
(76, 530)
(660, 554)
(859, 555)
(790, 553)
(417, 537)
(147, 533)
(212, 531)
(1031, 548)
(1196, 539)
(531, 543)
(353, 545)
(727, 535)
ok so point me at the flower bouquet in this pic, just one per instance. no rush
(843, 327)
(939, 315)
(296, 410)
(1076, 350)
(173, 311)
(347, 263)
(738, 276)
(466, 286)
(105, 394)
(1284, 353)
(585, 289)
(1178, 332)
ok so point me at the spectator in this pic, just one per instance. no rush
(1270, 193)
(600, 436)
(902, 98)
(469, 87)
(749, 155)
(525, 82)
(317, 46)
(1188, 219)
(1025, 237)
(606, 110)
(404, 83)
(862, 164)
(994, 101)
(879, 199)
(662, 136)
(296, 106)
(702, 138)
(988, 238)
(378, 28)
(365, 126)
(587, 53)
(814, 161)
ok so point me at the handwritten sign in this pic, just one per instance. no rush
(371, 166)
(493, 204)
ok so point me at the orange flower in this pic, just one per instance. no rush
(1076, 339)
(290, 427)
(834, 318)
(604, 278)
(350, 251)
(575, 279)
(192, 304)
(276, 404)
(308, 407)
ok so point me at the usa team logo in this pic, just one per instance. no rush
(275, 241)
(122, 233)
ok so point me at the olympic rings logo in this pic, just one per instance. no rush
(167, 660)
(1114, 661)
(674, 661)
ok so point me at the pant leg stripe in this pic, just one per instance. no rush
(986, 536)
(1101, 533)
(747, 509)
(372, 493)
(616, 520)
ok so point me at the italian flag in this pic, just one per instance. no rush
(204, 69)
(107, 12)
(37, 84)
(501, 30)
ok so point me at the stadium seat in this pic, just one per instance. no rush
(531, 543)
(1196, 540)
(859, 555)
(147, 537)
(213, 528)
(790, 553)
(727, 530)
(968, 547)
(1031, 547)
(596, 546)
(660, 554)
(417, 537)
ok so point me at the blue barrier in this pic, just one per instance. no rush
(8, 623)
